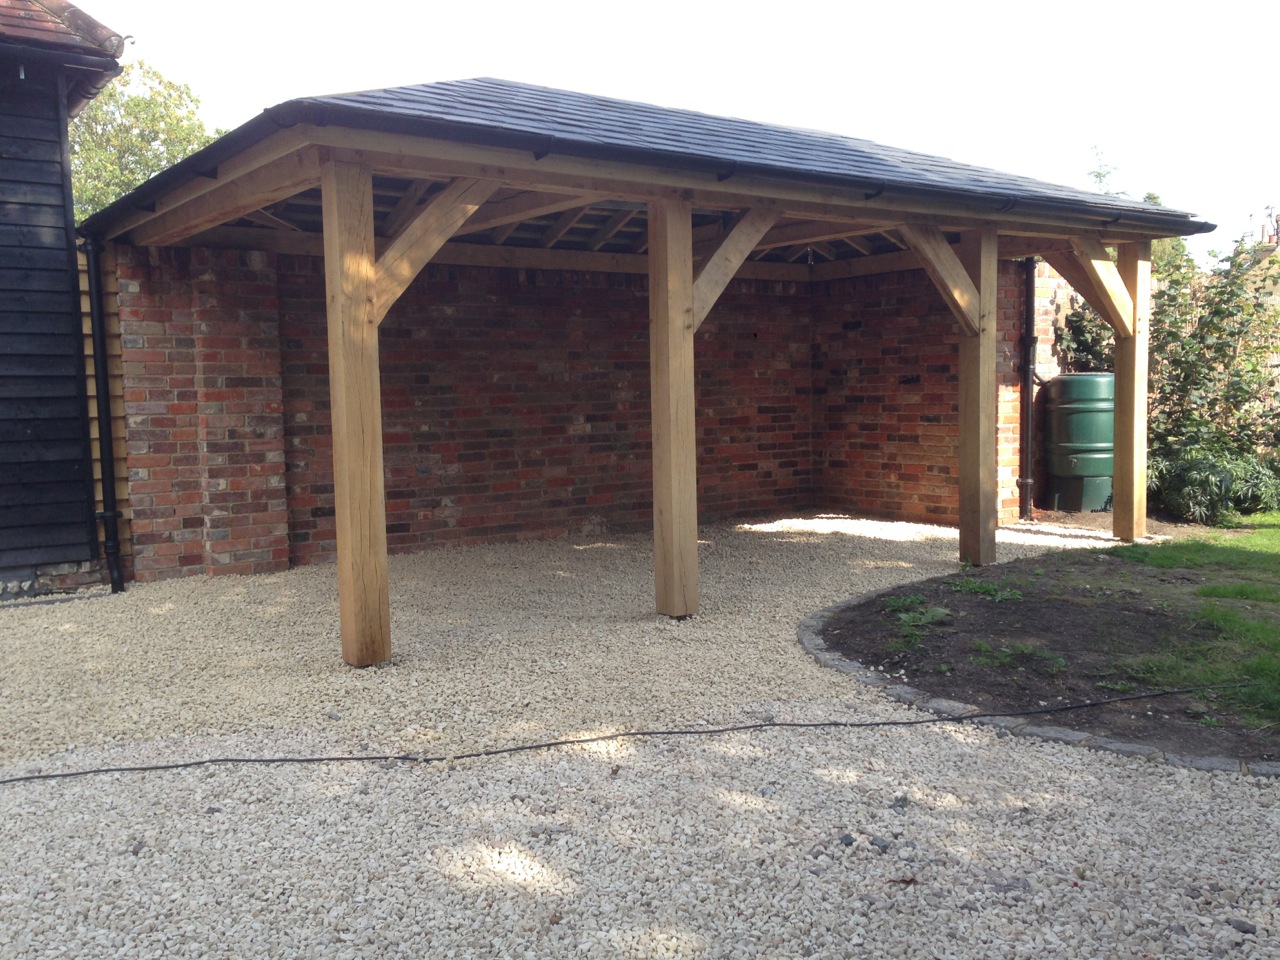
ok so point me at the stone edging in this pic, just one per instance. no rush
(810, 635)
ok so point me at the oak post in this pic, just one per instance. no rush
(359, 497)
(675, 481)
(978, 251)
(1129, 485)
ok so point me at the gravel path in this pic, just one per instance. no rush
(936, 841)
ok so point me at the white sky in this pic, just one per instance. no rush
(1178, 98)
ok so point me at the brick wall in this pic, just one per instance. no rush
(887, 414)
(516, 405)
(203, 411)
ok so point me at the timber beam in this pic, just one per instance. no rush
(803, 234)
(359, 487)
(278, 180)
(1093, 275)
(979, 490)
(675, 461)
(966, 277)
(724, 264)
(948, 274)
(1129, 482)
(272, 148)
(423, 236)
(480, 255)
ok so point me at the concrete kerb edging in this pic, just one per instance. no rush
(810, 635)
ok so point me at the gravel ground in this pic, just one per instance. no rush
(934, 841)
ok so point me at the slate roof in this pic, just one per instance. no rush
(56, 25)
(502, 112)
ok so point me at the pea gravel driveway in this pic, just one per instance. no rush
(933, 841)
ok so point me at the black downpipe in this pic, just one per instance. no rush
(110, 514)
(1026, 464)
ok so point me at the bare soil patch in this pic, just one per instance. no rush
(1048, 631)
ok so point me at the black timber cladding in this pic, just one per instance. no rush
(46, 483)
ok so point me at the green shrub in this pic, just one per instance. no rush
(1213, 488)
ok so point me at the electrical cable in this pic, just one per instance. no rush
(601, 738)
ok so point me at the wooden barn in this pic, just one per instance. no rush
(481, 310)
(53, 60)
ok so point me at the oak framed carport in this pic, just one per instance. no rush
(499, 174)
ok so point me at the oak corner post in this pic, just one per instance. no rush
(359, 497)
(675, 483)
(978, 251)
(1129, 490)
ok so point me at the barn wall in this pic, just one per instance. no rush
(515, 405)
(45, 482)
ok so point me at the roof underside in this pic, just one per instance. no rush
(838, 198)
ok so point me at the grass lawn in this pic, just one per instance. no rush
(1241, 604)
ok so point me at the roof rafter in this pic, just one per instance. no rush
(562, 226)
(803, 234)
(405, 207)
(524, 206)
(610, 227)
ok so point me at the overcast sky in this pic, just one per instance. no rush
(1181, 105)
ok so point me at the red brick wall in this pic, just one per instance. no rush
(886, 379)
(203, 412)
(516, 405)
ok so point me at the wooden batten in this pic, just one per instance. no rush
(359, 495)
(675, 480)
(1129, 482)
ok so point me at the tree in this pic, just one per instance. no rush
(139, 125)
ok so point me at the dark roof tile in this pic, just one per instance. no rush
(56, 24)
(584, 123)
